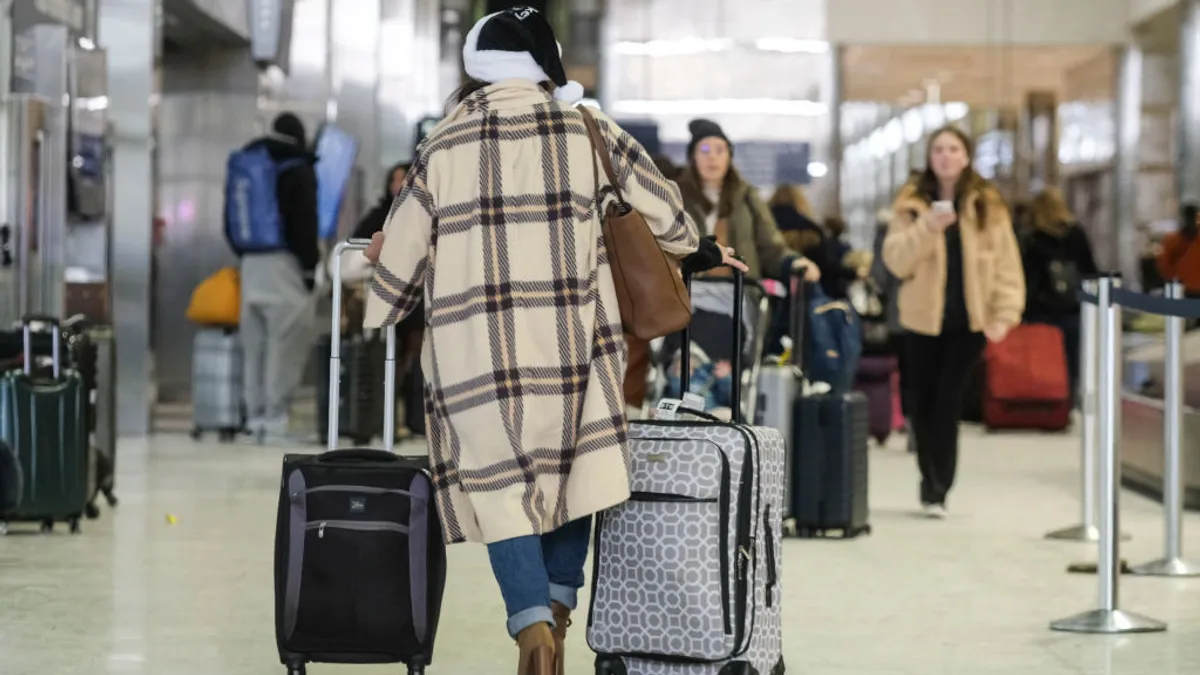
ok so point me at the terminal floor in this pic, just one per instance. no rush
(138, 593)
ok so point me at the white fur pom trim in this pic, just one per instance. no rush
(569, 93)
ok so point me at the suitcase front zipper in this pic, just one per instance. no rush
(359, 525)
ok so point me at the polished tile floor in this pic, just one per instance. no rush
(190, 594)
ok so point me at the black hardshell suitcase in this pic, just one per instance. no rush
(360, 560)
(360, 392)
(43, 418)
(829, 462)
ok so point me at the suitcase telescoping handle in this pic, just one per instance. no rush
(335, 355)
(55, 340)
(685, 351)
(797, 315)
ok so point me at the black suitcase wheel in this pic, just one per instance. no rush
(110, 497)
(738, 668)
(74, 523)
(297, 669)
(416, 666)
(227, 435)
(47, 527)
(610, 665)
(91, 511)
(196, 433)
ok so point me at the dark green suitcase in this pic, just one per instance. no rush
(43, 418)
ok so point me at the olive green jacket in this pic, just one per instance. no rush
(751, 228)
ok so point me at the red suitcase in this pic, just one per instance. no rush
(1027, 385)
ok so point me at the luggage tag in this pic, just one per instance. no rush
(693, 402)
(667, 409)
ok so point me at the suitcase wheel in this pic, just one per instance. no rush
(227, 435)
(610, 665)
(738, 668)
(110, 497)
(196, 433)
(416, 666)
(46, 527)
(91, 511)
(74, 523)
(297, 669)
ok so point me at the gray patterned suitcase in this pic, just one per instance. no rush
(686, 577)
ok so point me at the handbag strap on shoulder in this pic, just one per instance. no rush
(596, 138)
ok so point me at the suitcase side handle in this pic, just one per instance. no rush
(335, 356)
(357, 455)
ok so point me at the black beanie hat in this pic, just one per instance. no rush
(287, 124)
(518, 43)
(702, 129)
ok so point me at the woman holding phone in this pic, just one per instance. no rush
(952, 246)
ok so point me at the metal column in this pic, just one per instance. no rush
(129, 31)
(1187, 172)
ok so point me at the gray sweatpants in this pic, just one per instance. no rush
(277, 330)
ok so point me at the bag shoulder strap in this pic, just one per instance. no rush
(596, 138)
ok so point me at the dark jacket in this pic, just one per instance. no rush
(1039, 250)
(297, 196)
(834, 277)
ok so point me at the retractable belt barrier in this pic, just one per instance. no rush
(1102, 299)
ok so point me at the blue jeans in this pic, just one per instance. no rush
(533, 570)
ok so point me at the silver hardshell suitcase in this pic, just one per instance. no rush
(217, 403)
(687, 572)
(778, 385)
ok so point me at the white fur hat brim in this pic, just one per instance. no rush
(493, 66)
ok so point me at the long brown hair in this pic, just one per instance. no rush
(693, 189)
(969, 181)
(1050, 212)
(792, 195)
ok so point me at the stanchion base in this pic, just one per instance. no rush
(1167, 567)
(1108, 621)
(1080, 533)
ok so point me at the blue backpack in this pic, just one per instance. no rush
(834, 342)
(253, 223)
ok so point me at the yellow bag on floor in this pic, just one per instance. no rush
(217, 300)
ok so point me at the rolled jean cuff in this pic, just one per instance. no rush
(564, 595)
(528, 617)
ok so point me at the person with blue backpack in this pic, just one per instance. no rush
(271, 224)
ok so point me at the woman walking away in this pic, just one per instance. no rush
(952, 246)
(1057, 256)
(498, 226)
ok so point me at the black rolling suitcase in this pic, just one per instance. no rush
(43, 419)
(360, 562)
(828, 453)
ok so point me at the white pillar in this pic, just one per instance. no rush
(1127, 110)
(1187, 169)
(129, 32)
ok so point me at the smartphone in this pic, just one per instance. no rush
(943, 206)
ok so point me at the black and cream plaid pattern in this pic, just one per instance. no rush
(497, 228)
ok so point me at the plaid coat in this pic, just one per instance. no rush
(497, 227)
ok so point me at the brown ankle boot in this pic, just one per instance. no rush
(537, 650)
(562, 621)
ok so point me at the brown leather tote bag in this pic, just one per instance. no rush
(651, 295)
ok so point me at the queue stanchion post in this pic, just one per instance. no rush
(1108, 617)
(1086, 530)
(1172, 563)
